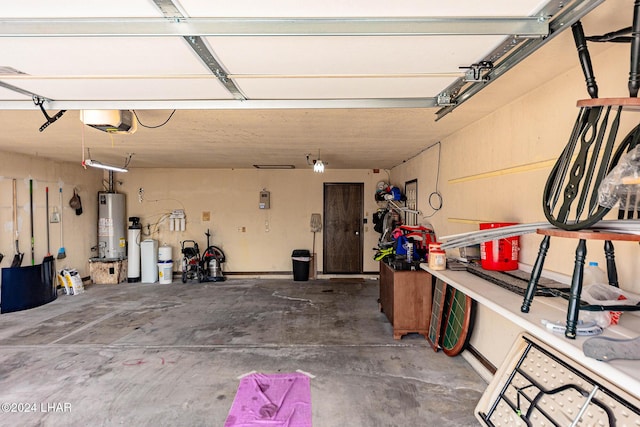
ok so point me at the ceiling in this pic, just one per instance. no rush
(365, 83)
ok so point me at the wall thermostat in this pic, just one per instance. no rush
(265, 200)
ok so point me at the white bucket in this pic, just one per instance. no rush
(164, 253)
(165, 272)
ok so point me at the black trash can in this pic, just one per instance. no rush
(301, 258)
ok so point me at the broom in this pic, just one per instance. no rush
(61, 252)
(316, 226)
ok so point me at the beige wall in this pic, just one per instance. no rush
(79, 231)
(520, 142)
(231, 197)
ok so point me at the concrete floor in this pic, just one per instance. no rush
(171, 355)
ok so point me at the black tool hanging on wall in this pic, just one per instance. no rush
(17, 258)
(33, 262)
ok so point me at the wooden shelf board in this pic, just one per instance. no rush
(589, 234)
(626, 103)
(623, 373)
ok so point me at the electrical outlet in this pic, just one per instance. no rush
(206, 216)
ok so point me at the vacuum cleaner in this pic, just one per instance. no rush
(211, 263)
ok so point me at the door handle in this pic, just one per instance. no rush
(357, 233)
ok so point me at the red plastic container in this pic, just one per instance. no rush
(502, 254)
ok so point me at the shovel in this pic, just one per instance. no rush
(17, 258)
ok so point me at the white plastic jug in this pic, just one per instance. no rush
(593, 274)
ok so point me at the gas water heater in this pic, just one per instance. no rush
(112, 226)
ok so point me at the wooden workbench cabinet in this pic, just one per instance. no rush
(405, 298)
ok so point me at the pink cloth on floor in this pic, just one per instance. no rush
(282, 400)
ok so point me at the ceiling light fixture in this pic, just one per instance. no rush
(318, 165)
(100, 165)
(97, 164)
(274, 166)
